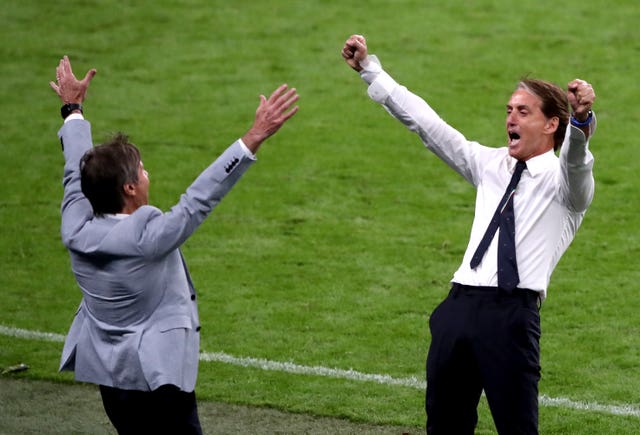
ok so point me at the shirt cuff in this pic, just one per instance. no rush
(592, 126)
(246, 150)
(73, 116)
(381, 88)
(371, 67)
(380, 83)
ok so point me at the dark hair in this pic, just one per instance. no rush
(554, 103)
(105, 169)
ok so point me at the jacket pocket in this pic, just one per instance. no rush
(174, 322)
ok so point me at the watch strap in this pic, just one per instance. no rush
(68, 108)
(584, 123)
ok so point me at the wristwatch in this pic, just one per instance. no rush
(68, 108)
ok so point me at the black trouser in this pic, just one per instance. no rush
(484, 338)
(166, 410)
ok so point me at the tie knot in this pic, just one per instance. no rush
(521, 166)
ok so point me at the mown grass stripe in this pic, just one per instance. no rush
(624, 410)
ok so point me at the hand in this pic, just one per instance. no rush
(581, 98)
(68, 88)
(355, 51)
(271, 114)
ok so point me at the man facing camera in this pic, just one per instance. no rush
(529, 204)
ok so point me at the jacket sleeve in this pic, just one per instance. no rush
(75, 137)
(154, 233)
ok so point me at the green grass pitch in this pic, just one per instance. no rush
(335, 247)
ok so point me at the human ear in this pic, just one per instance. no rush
(551, 125)
(129, 189)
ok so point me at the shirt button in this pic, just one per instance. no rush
(193, 297)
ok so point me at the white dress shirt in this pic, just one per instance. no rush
(550, 201)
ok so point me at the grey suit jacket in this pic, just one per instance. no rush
(137, 325)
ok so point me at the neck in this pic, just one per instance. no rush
(129, 207)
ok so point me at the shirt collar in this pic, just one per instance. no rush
(116, 215)
(535, 165)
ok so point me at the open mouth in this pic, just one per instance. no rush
(513, 138)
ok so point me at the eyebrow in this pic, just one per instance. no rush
(519, 107)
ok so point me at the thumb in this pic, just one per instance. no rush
(90, 74)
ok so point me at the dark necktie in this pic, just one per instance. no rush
(503, 218)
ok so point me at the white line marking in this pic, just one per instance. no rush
(30, 335)
(624, 410)
(290, 367)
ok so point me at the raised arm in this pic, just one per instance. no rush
(575, 157)
(414, 112)
(76, 140)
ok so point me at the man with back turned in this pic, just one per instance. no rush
(136, 333)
